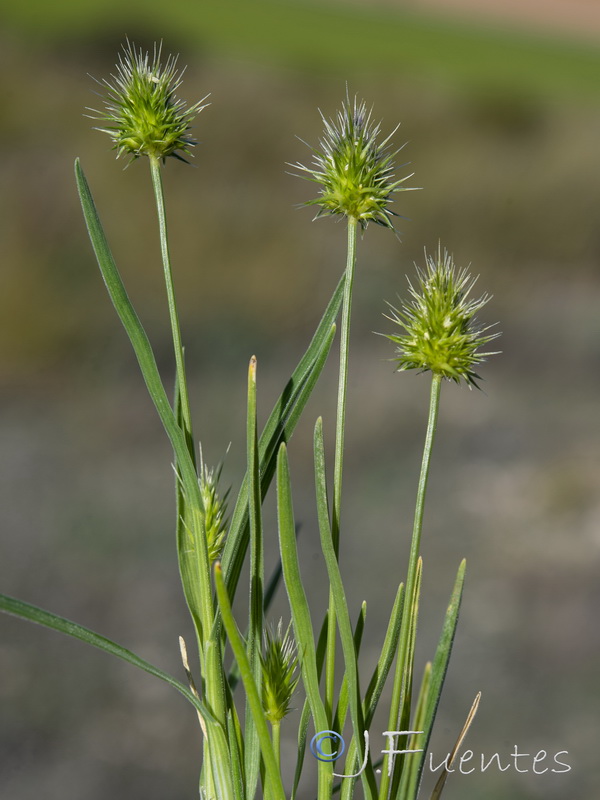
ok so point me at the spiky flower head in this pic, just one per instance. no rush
(441, 333)
(215, 510)
(355, 171)
(279, 670)
(142, 115)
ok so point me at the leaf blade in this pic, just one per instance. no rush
(255, 614)
(39, 616)
(438, 674)
(279, 428)
(303, 629)
(341, 610)
(239, 651)
(147, 362)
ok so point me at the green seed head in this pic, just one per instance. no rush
(355, 171)
(215, 510)
(440, 330)
(279, 667)
(142, 115)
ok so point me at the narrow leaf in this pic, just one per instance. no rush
(386, 659)
(270, 590)
(145, 356)
(274, 784)
(236, 760)
(220, 762)
(378, 679)
(305, 715)
(407, 682)
(412, 763)
(185, 541)
(300, 611)
(341, 609)
(343, 698)
(438, 674)
(19, 608)
(134, 328)
(279, 428)
(255, 621)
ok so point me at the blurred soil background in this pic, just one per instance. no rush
(501, 115)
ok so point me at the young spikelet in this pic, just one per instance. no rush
(215, 510)
(355, 171)
(441, 333)
(279, 667)
(142, 115)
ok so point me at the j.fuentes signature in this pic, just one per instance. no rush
(468, 762)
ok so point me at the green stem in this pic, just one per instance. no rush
(339, 457)
(343, 380)
(155, 171)
(401, 690)
(210, 647)
(276, 729)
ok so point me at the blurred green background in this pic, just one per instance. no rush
(502, 127)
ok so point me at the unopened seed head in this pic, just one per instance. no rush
(279, 671)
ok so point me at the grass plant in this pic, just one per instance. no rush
(436, 331)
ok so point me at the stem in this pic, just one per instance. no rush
(401, 691)
(343, 380)
(276, 728)
(210, 647)
(339, 456)
(434, 404)
(173, 315)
